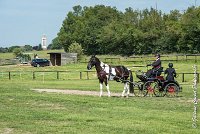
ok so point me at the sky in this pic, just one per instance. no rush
(23, 22)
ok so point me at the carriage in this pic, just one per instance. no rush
(155, 86)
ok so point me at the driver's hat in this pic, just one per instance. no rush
(157, 55)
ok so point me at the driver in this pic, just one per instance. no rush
(155, 66)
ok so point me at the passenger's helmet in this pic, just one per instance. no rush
(170, 64)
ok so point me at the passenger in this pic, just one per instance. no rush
(171, 73)
(156, 65)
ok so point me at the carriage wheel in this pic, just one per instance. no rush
(171, 90)
(139, 88)
(150, 88)
(158, 90)
(159, 93)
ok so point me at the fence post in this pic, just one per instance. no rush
(183, 79)
(33, 75)
(57, 74)
(80, 75)
(9, 75)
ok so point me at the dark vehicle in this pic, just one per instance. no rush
(40, 62)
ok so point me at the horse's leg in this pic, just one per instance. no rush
(107, 87)
(101, 88)
(124, 91)
(127, 88)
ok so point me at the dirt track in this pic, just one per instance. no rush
(89, 93)
(76, 92)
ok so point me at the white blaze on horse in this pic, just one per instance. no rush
(106, 72)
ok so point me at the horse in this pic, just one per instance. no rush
(106, 72)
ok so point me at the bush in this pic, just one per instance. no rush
(76, 48)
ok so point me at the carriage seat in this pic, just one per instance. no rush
(160, 78)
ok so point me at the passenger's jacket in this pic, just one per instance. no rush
(171, 73)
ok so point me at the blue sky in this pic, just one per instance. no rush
(24, 22)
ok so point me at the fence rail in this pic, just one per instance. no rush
(171, 58)
(49, 75)
(55, 74)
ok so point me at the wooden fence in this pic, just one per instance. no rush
(170, 58)
(54, 74)
(176, 58)
(63, 75)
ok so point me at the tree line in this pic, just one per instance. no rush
(24, 48)
(106, 30)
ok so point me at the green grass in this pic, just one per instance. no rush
(27, 111)
(23, 110)
(41, 54)
(73, 71)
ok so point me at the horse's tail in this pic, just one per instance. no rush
(131, 88)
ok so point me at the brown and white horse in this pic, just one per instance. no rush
(106, 72)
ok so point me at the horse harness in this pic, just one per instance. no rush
(104, 70)
(111, 73)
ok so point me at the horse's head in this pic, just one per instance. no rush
(92, 62)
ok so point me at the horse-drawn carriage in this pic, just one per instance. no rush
(155, 86)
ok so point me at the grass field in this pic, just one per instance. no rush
(41, 54)
(72, 71)
(26, 111)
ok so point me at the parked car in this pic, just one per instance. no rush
(40, 62)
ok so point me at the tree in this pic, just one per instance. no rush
(105, 30)
(28, 48)
(83, 26)
(18, 52)
(190, 23)
(55, 44)
(12, 48)
(3, 50)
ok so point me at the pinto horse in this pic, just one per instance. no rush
(106, 72)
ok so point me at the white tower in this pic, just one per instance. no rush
(44, 42)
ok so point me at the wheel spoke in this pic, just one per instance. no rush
(171, 90)
(139, 89)
(149, 88)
